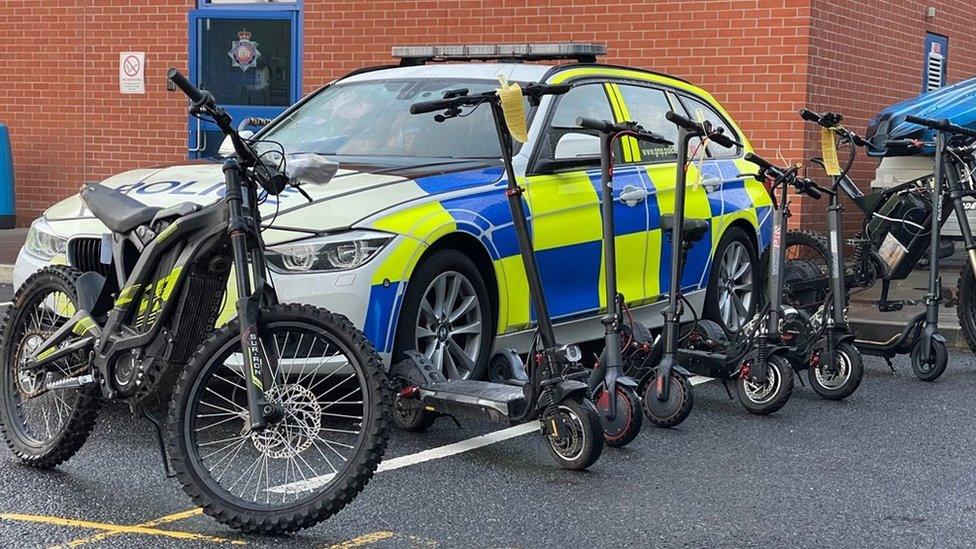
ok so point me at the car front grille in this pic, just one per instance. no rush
(85, 254)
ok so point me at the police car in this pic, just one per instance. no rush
(413, 239)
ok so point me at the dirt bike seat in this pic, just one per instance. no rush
(693, 230)
(119, 212)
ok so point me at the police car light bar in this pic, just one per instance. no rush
(418, 55)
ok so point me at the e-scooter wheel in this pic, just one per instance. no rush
(627, 421)
(841, 383)
(932, 367)
(766, 398)
(413, 419)
(574, 436)
(674, 410)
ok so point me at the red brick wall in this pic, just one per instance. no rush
(61, 100)
(42, 100)
(868, 54)
(760, 58)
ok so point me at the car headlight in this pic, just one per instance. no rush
(339, 252)
(42, 242)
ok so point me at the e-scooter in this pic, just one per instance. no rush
(756, 360)
(822, 342)
(620, 332)
(551, 389)
(902, 225)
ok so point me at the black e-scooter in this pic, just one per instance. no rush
(902, 225)
(629, 333)
(821, 342)
(755, 359)
(551, 389)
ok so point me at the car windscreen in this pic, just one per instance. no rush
(373, 118)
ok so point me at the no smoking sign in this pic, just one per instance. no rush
(132, 72)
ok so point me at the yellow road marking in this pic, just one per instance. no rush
(362, 541)
(175, 517)
(117, 528)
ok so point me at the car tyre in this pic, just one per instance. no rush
(469, 322)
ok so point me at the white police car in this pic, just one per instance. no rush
(413, 238)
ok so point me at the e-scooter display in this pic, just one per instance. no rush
(759, 366)
(551, 389)
(618, 332)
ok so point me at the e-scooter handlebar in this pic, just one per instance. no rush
(701, 129)
(802, 185)
(459, 98)
(602, 126)
(762, 163)
(941, 125)
(632, 129)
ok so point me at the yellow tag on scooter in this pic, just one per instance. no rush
(510, 95)
(828, 149)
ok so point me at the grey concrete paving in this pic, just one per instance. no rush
(891, 466)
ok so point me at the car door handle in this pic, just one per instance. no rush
(632, 195)
(713, 184)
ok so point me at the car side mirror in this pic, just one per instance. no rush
(227, 146)
(573, 145)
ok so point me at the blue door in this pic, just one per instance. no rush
(249, 59)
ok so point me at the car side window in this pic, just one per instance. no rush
(694, 107)
(647, 107)
(589, 100)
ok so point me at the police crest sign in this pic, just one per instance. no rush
(243, 52)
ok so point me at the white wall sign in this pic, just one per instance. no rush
(132, 72)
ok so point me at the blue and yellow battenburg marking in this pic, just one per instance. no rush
(566, 226)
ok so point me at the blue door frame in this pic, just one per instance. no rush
(290, 12)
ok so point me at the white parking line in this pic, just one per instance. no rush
(440, 452)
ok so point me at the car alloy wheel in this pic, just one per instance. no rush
(735, 286)
(448, 325)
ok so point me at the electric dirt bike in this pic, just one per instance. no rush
(899, 230)
(551, 389)
(755, 359)
(275, 421)
(627, 341)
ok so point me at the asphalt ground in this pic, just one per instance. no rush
(891, 466)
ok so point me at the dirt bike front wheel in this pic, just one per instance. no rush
(304, 467)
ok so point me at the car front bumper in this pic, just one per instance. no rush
(347, 292)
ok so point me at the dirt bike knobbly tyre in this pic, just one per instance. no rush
(669, 413)
(932, 367)
(807, 255)
(966, 308)
(774, 394)
(845, 380)
(43, 428)
(627, 422)
(580, 440)
(319, 454)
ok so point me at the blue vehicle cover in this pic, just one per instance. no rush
(956, 103)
